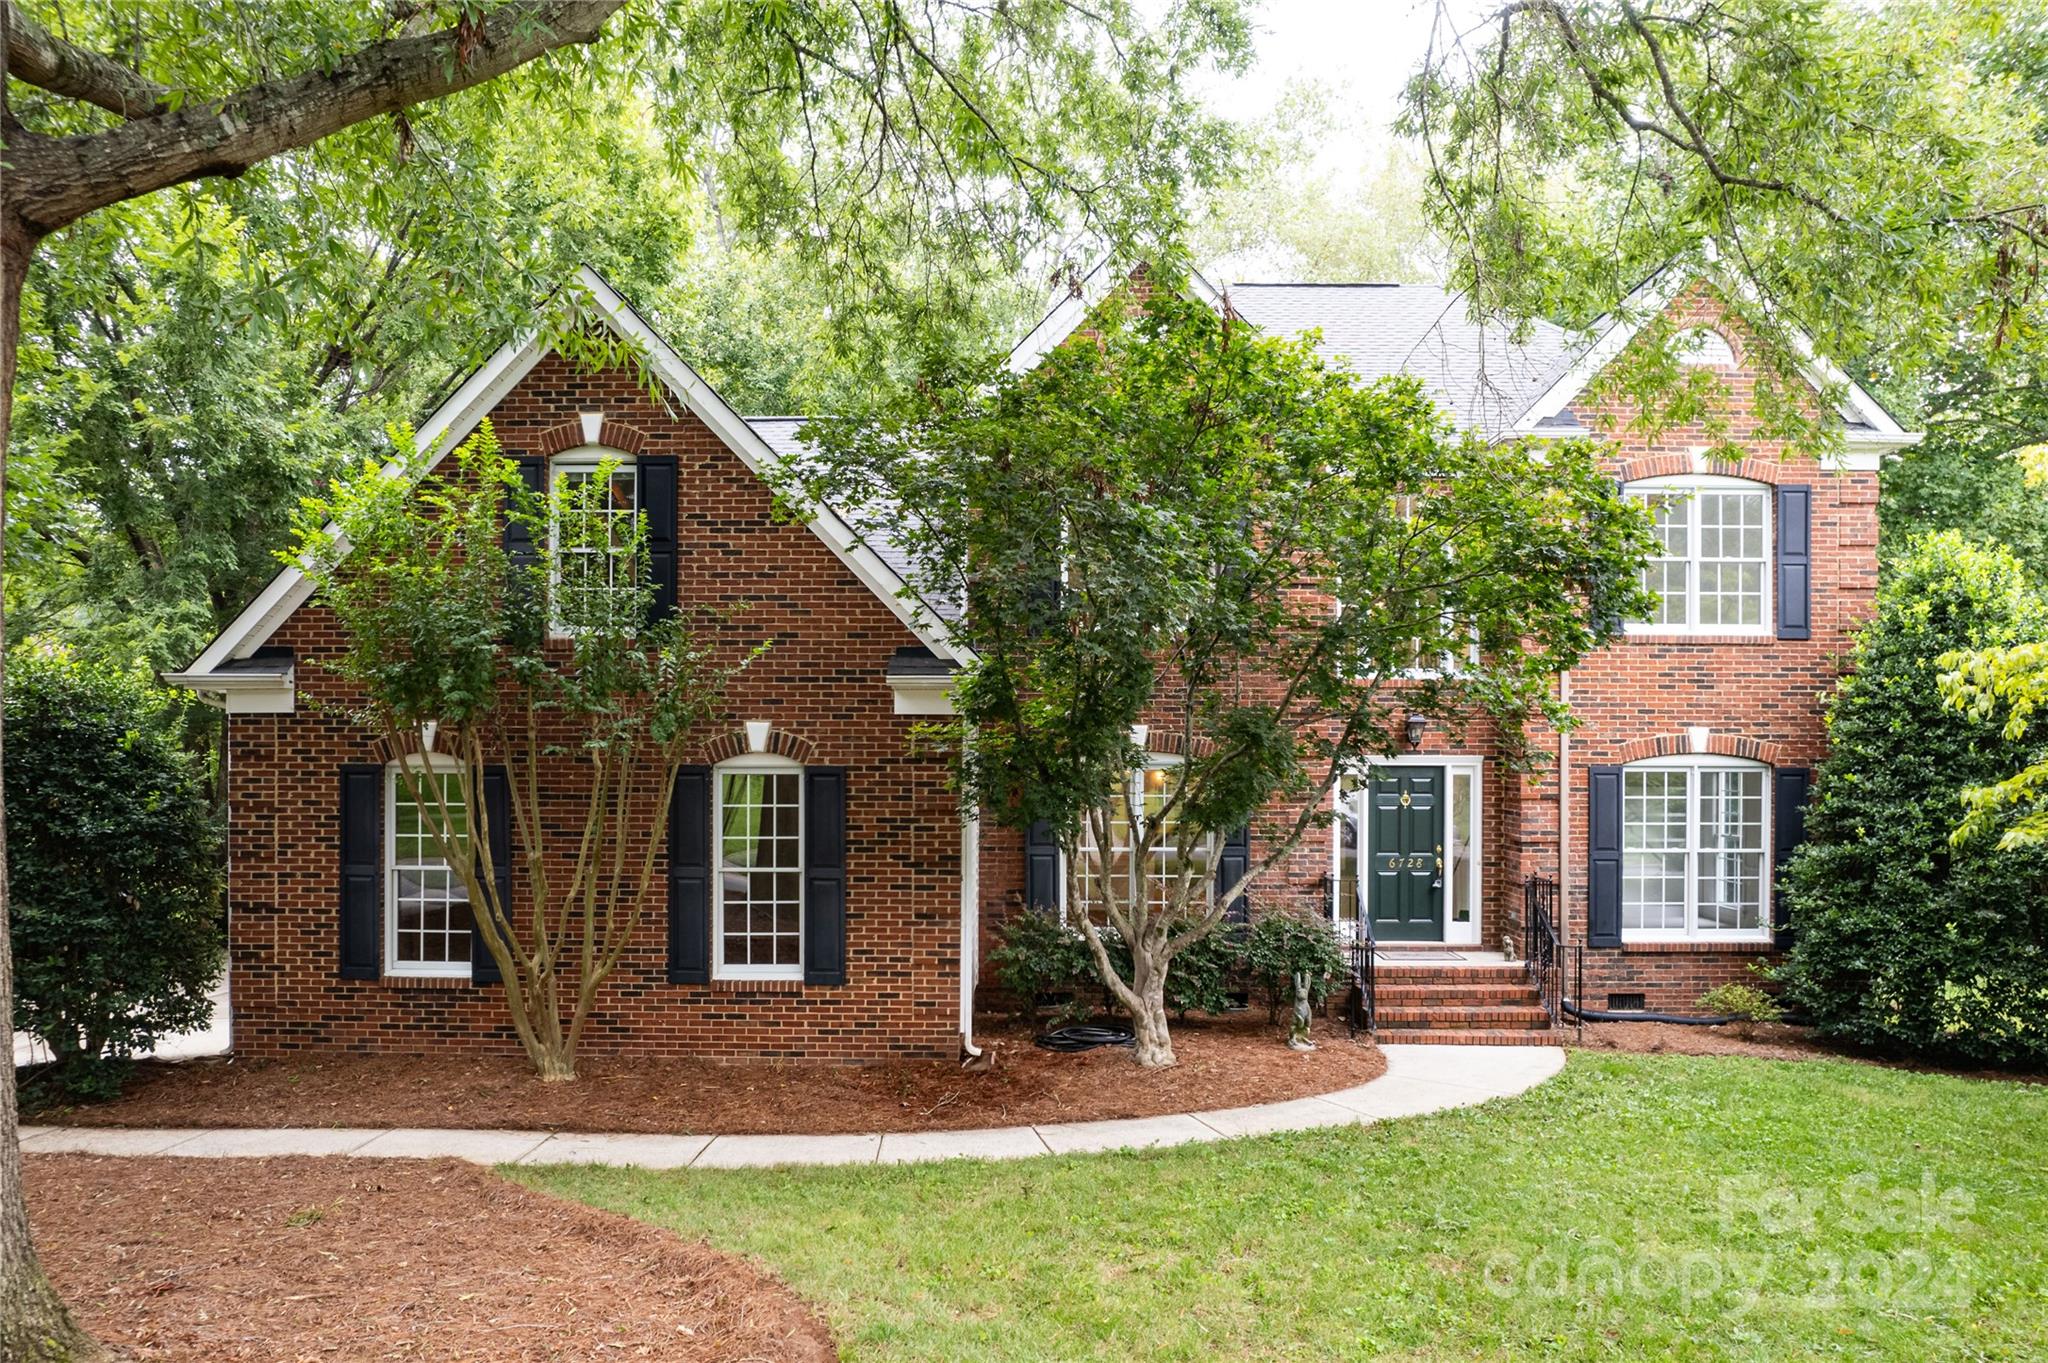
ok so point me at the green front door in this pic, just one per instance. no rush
(1405, 831)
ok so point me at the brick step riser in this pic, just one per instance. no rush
(1404, 1036)
(1408, 1020)
(1432, 996)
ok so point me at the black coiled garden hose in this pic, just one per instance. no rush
(1069, 1039)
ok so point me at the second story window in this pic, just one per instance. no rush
(593, 531)
(1712, 571)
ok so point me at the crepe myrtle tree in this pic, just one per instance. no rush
(1177, 528)
(548, 663)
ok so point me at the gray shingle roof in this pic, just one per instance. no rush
(871, 523)
(1483, 377)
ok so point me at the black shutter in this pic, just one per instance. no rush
(658, 505)
(362, 870)
(824, 875)
(689, 878)
(1795, 561)
(1788, 830)
(1042, 883)
(1233, 860)
(519, 545)
(483, 967)
(1603, 871)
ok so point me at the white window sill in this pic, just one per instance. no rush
(740, 975)
(1649, 937)
(1635, 631)
(414, 972)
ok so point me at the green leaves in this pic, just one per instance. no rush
(1871, 172)
(1913, 933)
(113, 864)
(1176, 522)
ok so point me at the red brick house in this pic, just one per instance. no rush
(848, 909)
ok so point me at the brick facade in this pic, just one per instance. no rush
(1758, 698)
(820, 686)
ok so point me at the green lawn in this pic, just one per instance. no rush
(1635, 1207)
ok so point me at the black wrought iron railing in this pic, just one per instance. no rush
(1552, 964)
(1361, 1004)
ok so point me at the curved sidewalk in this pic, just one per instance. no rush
(1419, 1079)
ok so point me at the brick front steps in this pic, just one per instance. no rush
(1457, 1003)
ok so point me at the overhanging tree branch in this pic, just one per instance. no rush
(54, 181)
(38, 57)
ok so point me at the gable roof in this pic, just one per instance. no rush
(453, 421)
(1485, 377)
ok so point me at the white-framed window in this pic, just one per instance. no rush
(1712, 570)
(758, 818)
(1151, 787)
(1695, 859)
(427, 919)
(593, 558)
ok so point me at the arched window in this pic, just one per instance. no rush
(1695, 853)
(1703, 347)
(758, 895)
(426, 901)
(1712, 571)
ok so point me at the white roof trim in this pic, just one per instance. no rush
(460, 415)
(1072, 309)
(1656, 293)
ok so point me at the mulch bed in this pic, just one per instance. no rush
(1224, 1062)
(298, 1259)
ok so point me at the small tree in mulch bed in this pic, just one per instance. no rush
(1175, 528)
(114, 866)
(552, 664)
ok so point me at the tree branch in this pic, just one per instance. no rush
(40, 58)
(55, 181)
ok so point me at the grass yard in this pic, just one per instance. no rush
(1635, 1207)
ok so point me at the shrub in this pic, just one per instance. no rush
(1904, 941)
(1200, 976)
(113, 859)
(1040, 955)
(1744, 1001)
(1284, 944)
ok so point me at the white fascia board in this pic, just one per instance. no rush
(922, 695)
(460, 415)
(243, 693)
(1072, 309)
(744, 441)
(1864, 450)
(450, 424)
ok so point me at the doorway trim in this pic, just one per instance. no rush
(1467, 892)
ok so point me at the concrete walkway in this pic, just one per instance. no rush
(1419, 1079)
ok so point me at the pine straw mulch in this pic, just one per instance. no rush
(312, 1259)
(1225, 1062)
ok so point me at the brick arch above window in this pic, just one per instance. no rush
(1768, 751)
(1772, 471)
(781, 743)
(1161, 743)
(568, 435)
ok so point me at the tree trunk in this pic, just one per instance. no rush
(1154, 1043)
(33, 1322)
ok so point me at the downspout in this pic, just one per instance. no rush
(970, 928)
(1564, 811)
